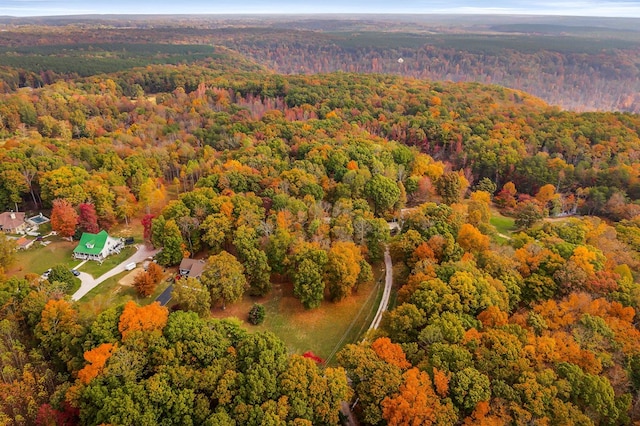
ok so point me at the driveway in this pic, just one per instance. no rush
(388, 283)
(89, 283)
(165, 297)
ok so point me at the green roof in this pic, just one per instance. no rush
(92, 243)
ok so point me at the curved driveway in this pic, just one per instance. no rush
(89, 283)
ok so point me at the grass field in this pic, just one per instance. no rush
(38, 258)
(504, 225)
(324, 330)
(96, 269)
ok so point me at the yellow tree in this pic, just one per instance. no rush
(343, 268)
(546, 194)
(471, 239)
(152, 195)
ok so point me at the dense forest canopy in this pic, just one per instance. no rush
(577, 63)
(294, 178)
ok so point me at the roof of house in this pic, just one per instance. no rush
(11, 220)
(194, 266)
(92, 243)
(23, 242)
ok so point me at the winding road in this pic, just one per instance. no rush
(89, 283)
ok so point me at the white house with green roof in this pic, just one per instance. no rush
(97, 246)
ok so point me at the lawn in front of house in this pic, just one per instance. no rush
(38, 258)
(96, 269)
(117, 291)
(324, 330)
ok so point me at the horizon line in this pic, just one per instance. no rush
(244, 14)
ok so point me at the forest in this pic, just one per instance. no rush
(294, 179)
(578, 64)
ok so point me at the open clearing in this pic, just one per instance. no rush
(324, 330)
(39, 258)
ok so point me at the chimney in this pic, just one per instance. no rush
(13, 216)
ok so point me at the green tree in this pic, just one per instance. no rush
(308, 285)
(299, 383)
(157, 230)
(486, 185)
(62, 274)
(528, 213)
(277, 248)
(449, 187)
(383, 192)
(373, 379)
(468, 388)
(258, 272)
(377, 236)
(224, 277)
(256, 314)
(172, 245)
(192, 295)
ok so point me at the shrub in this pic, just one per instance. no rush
(256, 314)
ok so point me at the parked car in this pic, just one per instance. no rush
(75, 272)
(130, 266)
(128, 241)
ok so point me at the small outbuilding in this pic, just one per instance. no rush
(24, 243)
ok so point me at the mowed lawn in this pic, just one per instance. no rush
(96, 269)
(38, 258)
(324, 330)
(503, 224)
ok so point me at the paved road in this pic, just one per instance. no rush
(89, 283)
(384, 304)
(388, 283)
(165, 296)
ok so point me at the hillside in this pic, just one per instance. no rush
(288, 181)
(579, 64)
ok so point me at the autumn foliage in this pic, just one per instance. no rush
(142, 318)
(97, 358)
(416, 403)
(144, 284)
(390, 352)
(64, 218)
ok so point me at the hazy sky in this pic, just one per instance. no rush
(623, 8)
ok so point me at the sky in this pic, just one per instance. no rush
(604, 8)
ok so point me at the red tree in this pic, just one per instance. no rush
(88, 220)
(63, 218)
(146, 223)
